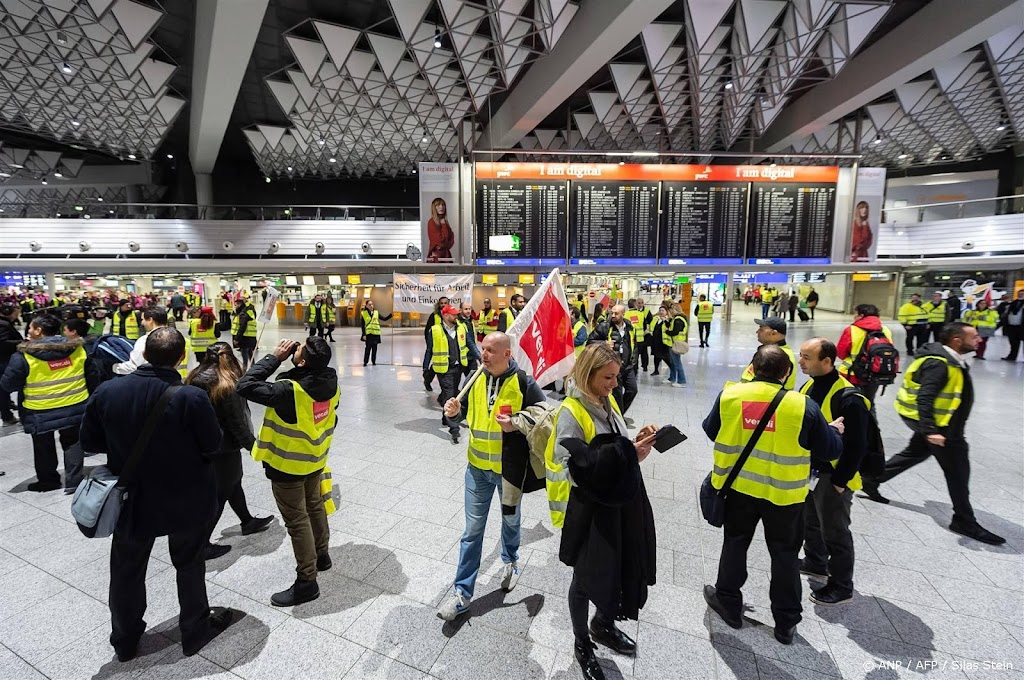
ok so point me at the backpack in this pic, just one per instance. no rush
(878, 362)
(872, 465)
(109, 350)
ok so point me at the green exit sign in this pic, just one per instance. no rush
(682, 279)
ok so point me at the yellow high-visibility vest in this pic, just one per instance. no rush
(748, 372)
(705, 311)
(936, 312)
(635, 319)
(439, 347)
(668, 339)
(575, 331)
(371, 322)
(855, 483)
(298, 448)
(484, 432)
(327, 316)
(557, 476)
(131, 325)
(947, 401)
(911, 314)
(182, 367)
(250, 328)
(978, 318)
(778, 469)
(201, 339)
(483, 326)
(56, 383)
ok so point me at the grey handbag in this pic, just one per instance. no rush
(98, 500)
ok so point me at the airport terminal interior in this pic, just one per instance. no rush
(288, 169)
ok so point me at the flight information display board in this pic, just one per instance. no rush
(536, 212)
(702, 223)
(614, 222)
(791, 223)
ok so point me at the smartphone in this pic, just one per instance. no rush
(667, 437)
(505, 410)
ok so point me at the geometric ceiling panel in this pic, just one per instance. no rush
(84, 73)
(21, 163)
(363, 102)
(94, 202)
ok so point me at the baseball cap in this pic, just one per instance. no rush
(451, 309)
(776, 323)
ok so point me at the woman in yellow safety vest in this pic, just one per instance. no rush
(203, 332)
(598, 316)
(984, 319)
(589, 410)
(674, 328)
(369, 322)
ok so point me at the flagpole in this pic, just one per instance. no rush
(469, 383)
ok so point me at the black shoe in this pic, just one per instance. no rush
(300, 592)
(213, 551)
(785, 635)
(976, 531)
(427, 386)
(812, 571)
(126, 654)
(711, 597)
(870, 491)
(323, 562)
(220, 619)
(655, 373)
(256, 525)
(455, 437)
(10, 421)
(364, 363)
(612, 638)
(1008, 359)
(980, 358)
(830, 595)
(44, 486)
(585, 657)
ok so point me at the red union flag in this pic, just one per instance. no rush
(542, 339)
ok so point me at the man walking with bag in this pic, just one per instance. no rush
(172, 490)
(293, 445)
(769, 484)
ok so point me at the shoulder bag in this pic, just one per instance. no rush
(712, 500)
(99, 497)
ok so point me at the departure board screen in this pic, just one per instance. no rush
(535, 212)
(614, 222)
(702, 223)
(791, 223)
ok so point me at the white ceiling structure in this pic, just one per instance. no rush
(402, 100)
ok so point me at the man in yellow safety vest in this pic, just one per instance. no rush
(449, 357)
(488, 321)
(501, 390)
(705, 313)
(509, 314)
(914, 318)
(125, 321)
(770, 487)
(293, 444)
(935, 401)
(828, 543)
(938, 313)
(772, 331)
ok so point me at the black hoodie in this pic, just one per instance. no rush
(320, 384)
(932, 376)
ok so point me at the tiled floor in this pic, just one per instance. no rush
(928, 603)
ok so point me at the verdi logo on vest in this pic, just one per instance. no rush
(58, 364)
(753, 411)
(320, 410)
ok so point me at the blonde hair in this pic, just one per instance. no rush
(595, 357)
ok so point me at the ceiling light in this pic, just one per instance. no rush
(1000, 128)
(75, 123)
(622, 162)
(728, 86)
(320, 141)
(902, 156)
(170, 156)
(87, 216)
(1, 209)
(437, 37)
(79, 208)
(99, 198)
(111, 212)
(424, 139)
(58, 214)
(5, 174)
(17, 165)
(62, 37)
(414, 171)
(66, 68)
(57, 174)
(644, 153)
(332, 159)
(289, 168)
(45, 182)
(878, 140)
(131, 156)
(267, 180)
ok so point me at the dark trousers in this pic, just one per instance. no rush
(955, 464)
(704, 331)
(828, 543)
(317, 330)
(179, 313)
(812, 311)
(641, 348)
(1014, 334)
(44, 451)
(579, 611)
(449, 383)
(792, 315)
(129, 557)
(784, 533)
(6, 405)
(917, 334)
(936, 330)
(236, 499)
(625, 391)
(302, 510)
(370, 353)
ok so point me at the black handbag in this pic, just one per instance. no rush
(712, 500)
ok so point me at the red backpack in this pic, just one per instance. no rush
(878, 362)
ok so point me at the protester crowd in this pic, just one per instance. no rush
(788, 453)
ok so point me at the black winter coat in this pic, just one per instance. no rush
(175, 488)
(236, 425)
(10, 338)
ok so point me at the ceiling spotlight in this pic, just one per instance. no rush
(320, 141)
(267, 180)
(62, 37)
(66, 68)
(87, 216)
(728, 86)
(57, 175)
(902, 156)
(424, 139)
(170, 156)
(437, 37)
(79, 208)
(878, 140)
(1000, 128)
(622, 162)
(332, 159)
(75, 123)
(44, 181)
(17, 165)
(289, 168)
(131, 156)
(99, 198)
(111, 212)
(414, 171)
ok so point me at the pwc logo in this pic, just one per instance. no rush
(752, 413)
(321, 409)
(58, 364)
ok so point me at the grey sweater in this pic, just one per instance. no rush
(606, 421)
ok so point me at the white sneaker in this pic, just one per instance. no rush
(510, 576)
(667, 382)
(679, 384)
(454, 607)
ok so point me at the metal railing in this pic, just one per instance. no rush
(95, 209)
(951, 210)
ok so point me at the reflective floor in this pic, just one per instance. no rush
(929, 603)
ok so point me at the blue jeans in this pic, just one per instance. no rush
(765, 306)
(480, 487)
(675, 368)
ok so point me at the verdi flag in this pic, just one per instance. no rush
(542, 338)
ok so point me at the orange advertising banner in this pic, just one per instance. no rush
(804, 174)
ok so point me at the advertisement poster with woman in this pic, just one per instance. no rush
(867, 211)
(439, 211)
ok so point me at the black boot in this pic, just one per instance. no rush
(611, 637)
(585, 657)
(871, 491)
(301, 591)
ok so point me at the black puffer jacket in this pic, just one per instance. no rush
(10, 338)
(232, 413)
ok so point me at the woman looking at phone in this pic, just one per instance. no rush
(590, 443)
